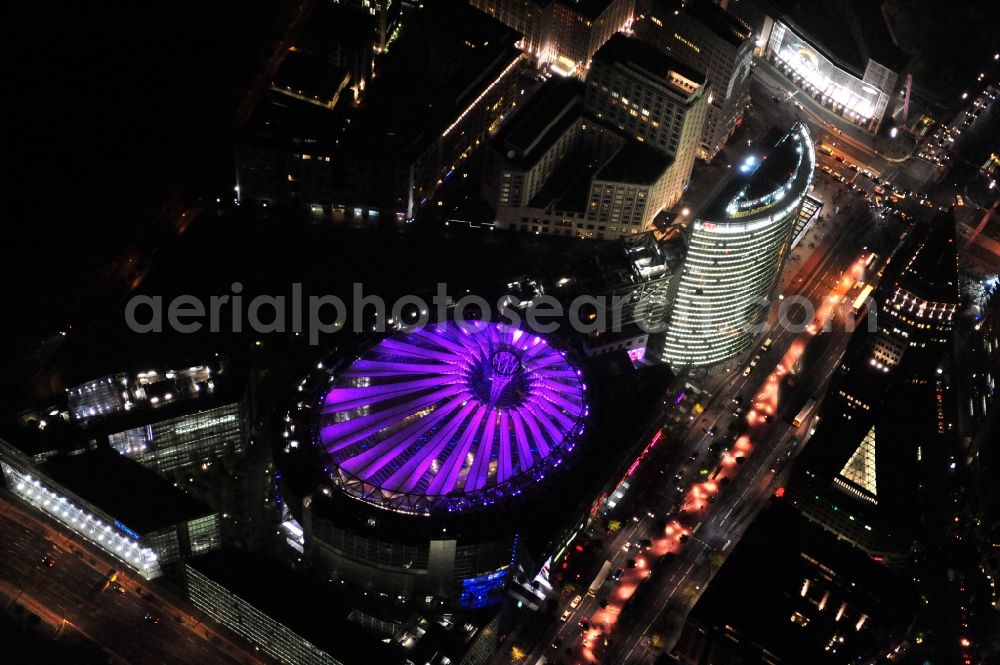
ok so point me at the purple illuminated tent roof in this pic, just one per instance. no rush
(447, 418)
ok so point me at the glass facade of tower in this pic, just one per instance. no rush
(735, 254)
(186, 441)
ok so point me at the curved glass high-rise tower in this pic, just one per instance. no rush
(735, 253)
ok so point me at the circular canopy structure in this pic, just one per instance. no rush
(451, 417)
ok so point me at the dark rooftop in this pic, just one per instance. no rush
(761, 593)
(774, 157)
(541, 121)
(591, 9)
(445, 54)
(847, 31)
(569, 185)
(442, 644)
(715, 18)
(635, 163)
(311, 609)
(308, 76)
(927, 264)
(132, 494)
(283, 122)
(622, 49)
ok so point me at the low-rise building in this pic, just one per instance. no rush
(289, 617)
(127, 511)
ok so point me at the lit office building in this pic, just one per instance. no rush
(736, 250)
(563, 34)
(127, 511)
(920, 298)
(578, 28)
(708, 39)
(103, 399)
(553, 169)
(841, 53)
(653, 98)
(186, 441)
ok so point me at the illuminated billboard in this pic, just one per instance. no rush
(833, 86)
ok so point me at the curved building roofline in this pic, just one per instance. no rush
(447, 418)
(736, 251)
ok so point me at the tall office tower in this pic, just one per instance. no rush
(919, 301)
(709, 39)
(653, 98)
(736, 250)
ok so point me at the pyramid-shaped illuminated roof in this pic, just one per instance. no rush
(858, 475)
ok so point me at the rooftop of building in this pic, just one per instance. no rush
(635, 163)
(314, 610)
(568, 187)
(135, 496)
(117, 402)
(712, 16)
(793, 591)
(337, 24)
(765, 168)
(621, 264)
(283, 122)
(621, 49)
(445, 640)
(446, 54)
(308, 76)
(847, 31)
(591, 9)
(927, 263)
(540, 122)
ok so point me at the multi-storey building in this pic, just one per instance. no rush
(185, 441)
(128, 512)
(918, 305)
(601, 160)
(533, 144)
(653, 98)
(578, 28)
(842, 53)
(529, 17)
(886, 423)
(631, 189)
(816, 601)
(708, 39)
(645, 93)
(563, 34)
(736, 250)
(458, 72)
(553, 169)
